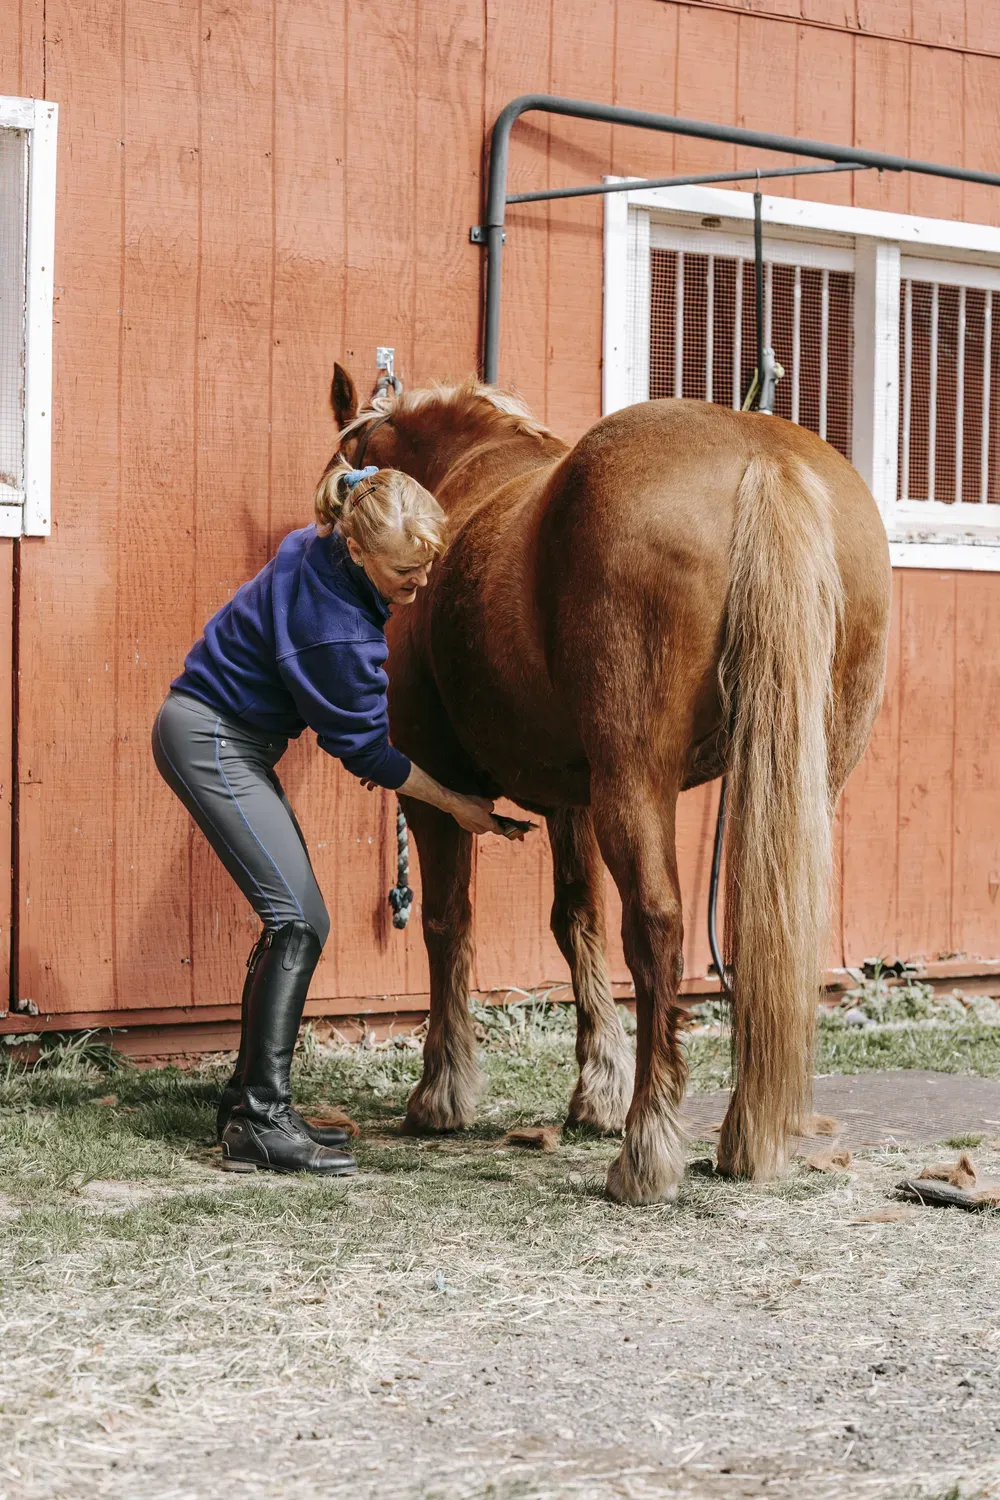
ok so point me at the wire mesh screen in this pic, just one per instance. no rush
(949, 358)
(703, 336)
(13, 224)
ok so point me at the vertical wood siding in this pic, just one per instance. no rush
(246, 192)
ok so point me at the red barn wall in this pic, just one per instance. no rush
(247, 191)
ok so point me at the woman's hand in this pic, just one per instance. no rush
(474, 814)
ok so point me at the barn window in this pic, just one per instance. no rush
(887, 328)
(949, 352)
(702, 331)
(27, 212)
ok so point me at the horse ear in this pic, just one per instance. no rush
(343, 396)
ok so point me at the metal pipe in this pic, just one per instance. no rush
(713, 932)
(984, 434)
(824, 350)
(758, 282)
(615, 114)
(960, 401)
(633, 184)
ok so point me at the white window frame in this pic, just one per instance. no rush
(886, 249)
(29, 513)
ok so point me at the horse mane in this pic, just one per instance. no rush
(470, 402)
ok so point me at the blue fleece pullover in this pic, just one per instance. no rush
(303, 644)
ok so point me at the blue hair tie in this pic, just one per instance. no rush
(355, 476)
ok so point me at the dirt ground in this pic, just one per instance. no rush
(464, 1319)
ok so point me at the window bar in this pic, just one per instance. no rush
(709, 326)
(960, 398)
(679, 326)
(984, 438)
(768, 289)
(907, 386)
(796, 340)
(932, 406)
(824, 349)
(738, 339)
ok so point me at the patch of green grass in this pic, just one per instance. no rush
(82, 1113)
(965, 1142)
(945, 1049)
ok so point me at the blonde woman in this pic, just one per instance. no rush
(301, 645)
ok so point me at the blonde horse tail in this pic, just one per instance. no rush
(784, 614)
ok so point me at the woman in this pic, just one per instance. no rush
(302, 644)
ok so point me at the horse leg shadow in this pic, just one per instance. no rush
(451, 1083)
(604, 1087)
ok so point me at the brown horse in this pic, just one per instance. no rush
(687, 590)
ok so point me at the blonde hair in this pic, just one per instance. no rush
(387, 512)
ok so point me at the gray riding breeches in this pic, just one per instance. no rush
(223, 771)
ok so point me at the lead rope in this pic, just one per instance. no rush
(401, 896)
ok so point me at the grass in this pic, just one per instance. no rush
(82, 1113)
(156, 1313)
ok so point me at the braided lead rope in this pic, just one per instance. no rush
(401, 896)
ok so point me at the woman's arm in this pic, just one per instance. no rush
(474, 814)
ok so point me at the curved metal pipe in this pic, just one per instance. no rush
(641, 119)
(713, 893)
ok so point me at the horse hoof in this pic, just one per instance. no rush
(634, 1196)
(639, 1189)
(441, 1120)
(592, 1127)
(419, 1126)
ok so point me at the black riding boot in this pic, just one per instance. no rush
(326, 1135)
(263, 1129)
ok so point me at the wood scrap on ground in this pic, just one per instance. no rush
(951, 1186)
(537, 1137)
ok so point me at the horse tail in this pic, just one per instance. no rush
(784, 615)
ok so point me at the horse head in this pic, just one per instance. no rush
(427, 431)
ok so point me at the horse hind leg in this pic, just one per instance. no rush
(450, 1086)
(635, 826)
(604, 1086)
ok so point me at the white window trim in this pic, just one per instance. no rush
(922, 534)
(32, 515)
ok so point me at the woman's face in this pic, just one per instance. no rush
(396, 577)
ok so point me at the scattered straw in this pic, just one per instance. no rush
(898, 1215)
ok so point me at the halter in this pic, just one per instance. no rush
(365, 439)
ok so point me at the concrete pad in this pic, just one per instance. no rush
(901, 1107)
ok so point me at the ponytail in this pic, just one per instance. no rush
(336, 498)
(382, 510)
